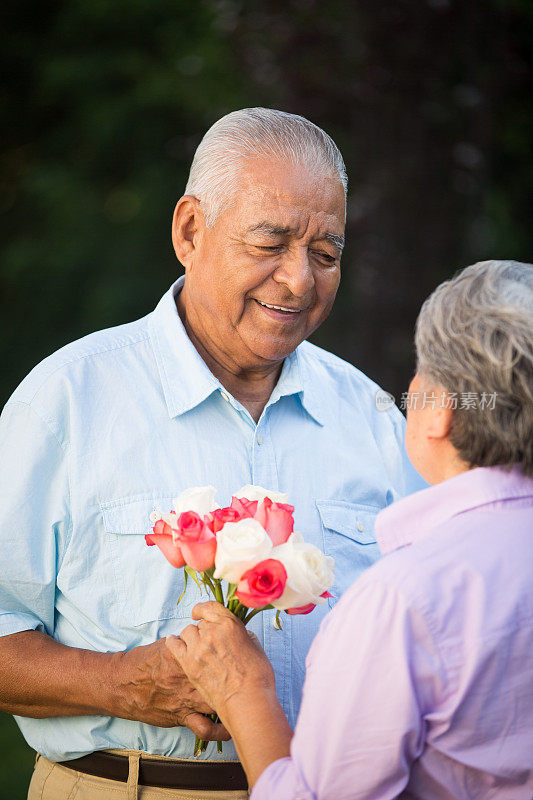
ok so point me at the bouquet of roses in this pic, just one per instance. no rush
(246, 555)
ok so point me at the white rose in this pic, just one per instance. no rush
(309, 573)
(200, 499)
(258, 493)
(240, 545)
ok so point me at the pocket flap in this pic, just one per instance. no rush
(349, 519)
(132, 516)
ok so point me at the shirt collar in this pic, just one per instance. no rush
(296, 380)
(414, 517)
(310, 391)
(186, 378)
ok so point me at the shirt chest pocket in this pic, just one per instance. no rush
(348, 532)
(147, 586)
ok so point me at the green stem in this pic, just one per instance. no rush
(198, 747)
(230, 594)
(251, 615)
(218, 591)
(209, 582)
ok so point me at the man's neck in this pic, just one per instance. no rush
(250, 386)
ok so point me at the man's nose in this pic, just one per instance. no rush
(296, 272)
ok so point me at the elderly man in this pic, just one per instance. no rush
(419, 683)
(216, 386)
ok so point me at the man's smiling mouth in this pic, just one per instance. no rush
(280, 308)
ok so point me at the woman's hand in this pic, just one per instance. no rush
(221, 658)
(230, 669)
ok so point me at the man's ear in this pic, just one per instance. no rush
(188, 225)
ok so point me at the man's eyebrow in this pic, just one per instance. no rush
(336, 240)
(270, 229)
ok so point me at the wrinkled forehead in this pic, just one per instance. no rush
(274, 197)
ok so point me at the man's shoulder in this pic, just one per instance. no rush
(351, 386)
(89, 351)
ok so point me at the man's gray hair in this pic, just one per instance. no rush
(475, 334)
(257, 133)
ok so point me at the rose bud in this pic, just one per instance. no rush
(262, 584)
(164, 537)
(276, 519)
(198, 544)
(246, 508)
(310, 573)
(218, 518)
(240, 545)
(254, 492)
(200, 499)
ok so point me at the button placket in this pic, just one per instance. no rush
(276, 641)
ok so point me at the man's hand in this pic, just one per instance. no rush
(221, 659)
(154, 689)
(40, 677)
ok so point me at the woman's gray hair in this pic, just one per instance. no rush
(252, 133)
(475, 334)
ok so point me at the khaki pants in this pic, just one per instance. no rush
(51, 781)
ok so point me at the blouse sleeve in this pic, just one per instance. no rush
(361, 723)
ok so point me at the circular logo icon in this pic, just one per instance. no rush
(383, 400)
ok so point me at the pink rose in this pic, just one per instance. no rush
(218, 518)
(246, 508)
(262, 583)
(308, 608)
(162, 537)
(198, 544)
(162, 527)
(276, 519)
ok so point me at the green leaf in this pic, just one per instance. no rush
(180, 598)
(232, 588)
(192, 574)
(208, 583)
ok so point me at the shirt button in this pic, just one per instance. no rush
(225, 396)
(275, 623)
(259, 439)
(360, 526)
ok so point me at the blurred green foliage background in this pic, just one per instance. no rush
(104, 102)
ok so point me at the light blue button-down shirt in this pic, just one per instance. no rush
(120, 422)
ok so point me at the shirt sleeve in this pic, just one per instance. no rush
(370, 675)
(33, 519)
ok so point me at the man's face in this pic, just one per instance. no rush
(277, 244)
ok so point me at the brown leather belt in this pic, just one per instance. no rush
(172, 774)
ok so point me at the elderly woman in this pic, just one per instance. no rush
(420, 681)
